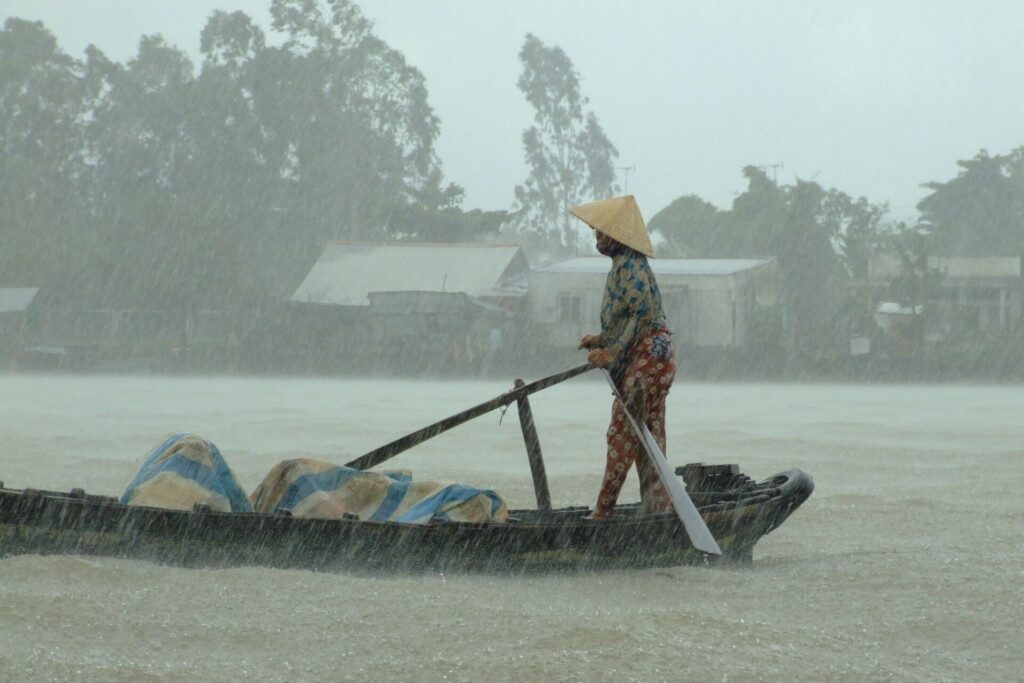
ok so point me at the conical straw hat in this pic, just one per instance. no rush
(620, 219)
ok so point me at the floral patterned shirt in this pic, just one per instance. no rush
(631, 306)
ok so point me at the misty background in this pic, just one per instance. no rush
(171, 176)
(874, 97)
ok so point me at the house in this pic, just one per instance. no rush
(17, 300)
(983, 293)
(17, 311)
(348, 272)
(708, 302)
(408, 305)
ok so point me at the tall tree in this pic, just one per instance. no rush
(692, 226)
(856, 228)
(42, 158)
(351, 133)
(980, 212)
(118, 180)
(819, 238)
(143, 132)
(812, 273)
(571, 160)
(240, 171)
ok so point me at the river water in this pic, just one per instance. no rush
(907, 562)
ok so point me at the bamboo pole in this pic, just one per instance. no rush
(390, 450)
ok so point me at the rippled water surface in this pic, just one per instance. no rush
(907, 562)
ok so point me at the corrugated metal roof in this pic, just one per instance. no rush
(660, 266)
(347, 272)
(16, 298)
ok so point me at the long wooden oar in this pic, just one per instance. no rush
(695, 527)
(390, 450)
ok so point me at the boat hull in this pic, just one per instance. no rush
(47, 522)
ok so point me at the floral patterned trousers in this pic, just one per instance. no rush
(645, 384)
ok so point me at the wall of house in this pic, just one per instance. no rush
(711, 311)
(977, 266)
(565, 305)
(700, 309)
(991, 305)
(13, 334)
(985, 293)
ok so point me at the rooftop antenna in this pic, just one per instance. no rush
(625, 177)
(774, 169)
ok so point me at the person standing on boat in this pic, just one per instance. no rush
(635, 345)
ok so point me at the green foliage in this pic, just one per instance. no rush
(915, 284)
(40, 145)
(159, 252)
(690, 219)
(571, 160)
(820, 238)
(856, 228)
(141, 131)
(980, 212)
(40, 98)
(147, 184)
(451, 224)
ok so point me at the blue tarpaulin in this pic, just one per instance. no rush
(182, 471)
(311, 488)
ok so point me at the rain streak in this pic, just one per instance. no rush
(539, 340)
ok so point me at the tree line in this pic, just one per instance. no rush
(155, 183)
(822, 239)
(151, 183)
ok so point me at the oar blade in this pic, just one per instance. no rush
(693, 523)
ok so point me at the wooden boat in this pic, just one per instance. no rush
(737, 510)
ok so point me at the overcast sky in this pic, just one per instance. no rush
(871, 97)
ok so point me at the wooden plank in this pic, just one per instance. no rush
(533, 453)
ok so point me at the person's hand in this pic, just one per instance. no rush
(600, 358)
(589, 341)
